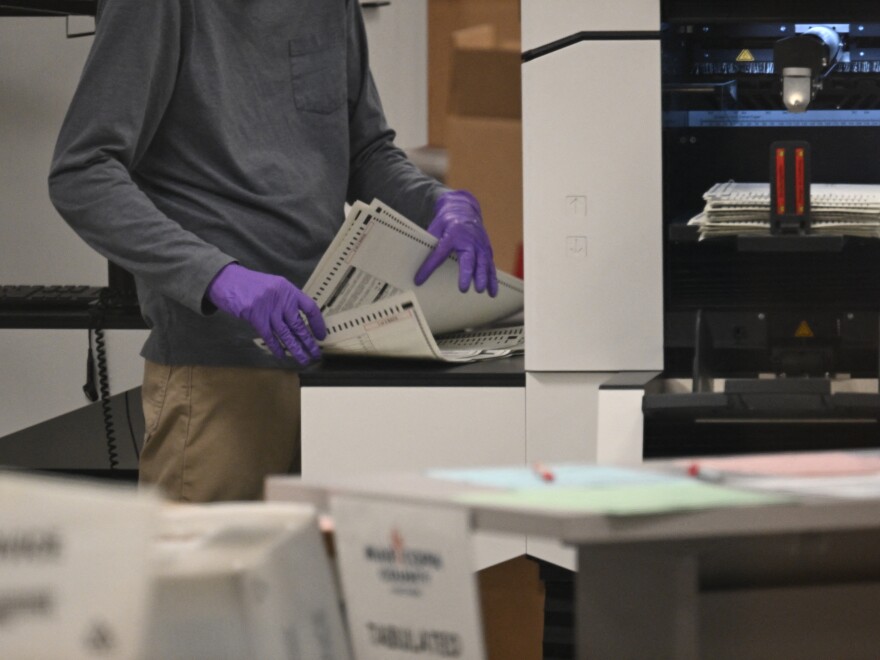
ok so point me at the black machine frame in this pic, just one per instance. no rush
(48, 7)
(775, 319)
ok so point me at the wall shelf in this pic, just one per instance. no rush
(48, 7)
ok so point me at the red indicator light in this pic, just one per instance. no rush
(780, 181)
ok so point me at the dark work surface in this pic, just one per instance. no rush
(676, 438)
(58, 307)
(819, 11)
(348, 372)
(60, 319)
(47, 7)
(76, 442)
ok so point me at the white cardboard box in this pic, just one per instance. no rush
(244, 581)
(408, 576)
(73, 568)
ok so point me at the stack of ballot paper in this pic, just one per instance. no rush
(364, 287)
(744, 208)
(834, 474)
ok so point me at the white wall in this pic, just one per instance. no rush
(398, 37)
(41, 372)
(39, 69)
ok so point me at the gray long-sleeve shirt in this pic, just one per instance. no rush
(206, 132)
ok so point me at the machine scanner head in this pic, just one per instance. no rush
(803, 60)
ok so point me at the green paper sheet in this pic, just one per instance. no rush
(656, 498)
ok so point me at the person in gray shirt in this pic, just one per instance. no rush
(209, 149)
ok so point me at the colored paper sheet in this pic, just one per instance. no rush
(667, 496)
(800, 464)
(561, 476)
(850, 487)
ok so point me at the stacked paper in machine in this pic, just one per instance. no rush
(744, 208)
(243, 580)
(364, 287)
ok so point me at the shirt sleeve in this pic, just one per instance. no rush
(378, 167)
(126, 84)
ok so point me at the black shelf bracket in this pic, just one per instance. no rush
(48, 7)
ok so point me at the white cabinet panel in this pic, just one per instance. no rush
(593, 208)
(358, 430)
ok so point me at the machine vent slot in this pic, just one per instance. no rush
(717, 275)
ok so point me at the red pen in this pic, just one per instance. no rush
(545, 473)
(699, 472)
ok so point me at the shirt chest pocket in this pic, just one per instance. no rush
(318, 74)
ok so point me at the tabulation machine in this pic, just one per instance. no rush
(645, 338)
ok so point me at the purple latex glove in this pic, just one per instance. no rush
(458, 224)
(274, 307)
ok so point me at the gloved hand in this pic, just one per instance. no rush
(274, 307)
(458, 224)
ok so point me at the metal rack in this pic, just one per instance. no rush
(48, 7)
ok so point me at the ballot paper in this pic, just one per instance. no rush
(608, 490)
(364, 287)
(396, 327)
(828, 474)
(735, 208)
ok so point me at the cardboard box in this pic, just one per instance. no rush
(445, 18)
(484, 134)
(243, 580)
(512, 604)
(74, 568)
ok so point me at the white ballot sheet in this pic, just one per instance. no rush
(364, 287)
(744, 208)
(376, 254)
(395, 327)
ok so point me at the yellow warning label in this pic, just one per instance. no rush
(804, 331)
(745, 55)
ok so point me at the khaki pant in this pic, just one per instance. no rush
(215, 433)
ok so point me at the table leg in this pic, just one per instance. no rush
(636, 603)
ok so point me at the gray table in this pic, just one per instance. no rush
(779, 581)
